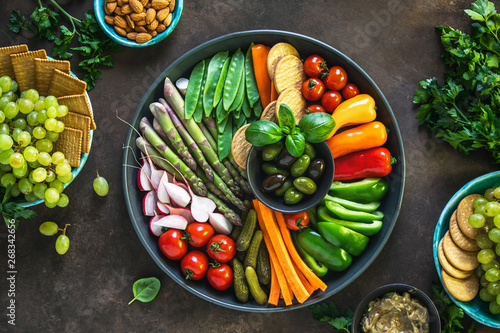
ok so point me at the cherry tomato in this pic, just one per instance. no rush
(199, 233)
(220, 276)
(313, 89)
(330, 100)
(350, 90)
(172, 244)
(315, 108)
(336, 79)
(297, 221)
(315, 66)
(221, 248)
(194, 265)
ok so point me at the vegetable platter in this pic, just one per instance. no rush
(182, 68)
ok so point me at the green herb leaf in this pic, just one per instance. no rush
(286, 117)
(146, 289)
(17, 22)
(295, 144)
(263, 132)
(316, 126)
(330, 313)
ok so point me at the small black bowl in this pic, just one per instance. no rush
(256, 176)
(434, 321)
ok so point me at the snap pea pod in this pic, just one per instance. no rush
(224, 140)
(194, 89)
(252, 92)
(220, 83)
(352, 215)
(221, 126)
(240, 94)
(363, 207)
(365, 228)
(257, 109)
(246, 108)
(214, 71)
(198, 111)
(220, 114)
(233, 78)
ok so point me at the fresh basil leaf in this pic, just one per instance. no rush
(295, 144)
(146, 289)
(263, 132)
(316, 126)
(285, 116)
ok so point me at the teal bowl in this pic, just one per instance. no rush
(476, 309)
(110, 31)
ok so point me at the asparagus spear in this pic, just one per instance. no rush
(175, 99)
(230, 214)
(150, 135)
(212, 187)
(195, 150)
(226, 191)
(159, 130)
(168, 128)
(148, 149)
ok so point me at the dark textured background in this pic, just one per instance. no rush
(88, 288)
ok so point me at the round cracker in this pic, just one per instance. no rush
(462, 241)
(294, 99)
(462, 290)
(240, 147)
(449, 268)
(269, 113)
(461, 259)
(289, 73)
(464, 210)
(276, 53)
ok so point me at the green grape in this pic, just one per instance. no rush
(51, 176)
(63, 200)
(6, 142)
(492, 208)
(496, 193)
(57, 185)
(488, 194)
(479, 271)
(25, 186)
(39, 132)
(24, 139)
(44, 158)
(39, 174)
(50, 124)
(494, 307)
(494, 235)
(483, 282)
(66, 179)
(51, 112)
(49, 228)
(30, 154)
(14, 86)
(30, 197)
(32, 95)
(25, 105)
(57, 157)
(52, 195)
(10, 95)
(63, 169)
(20, 123)
(4, 129)
(497, 249)
(101, 186)
(5, 83)
(2, 117)
(50, 101)
(39, 190)
(39, 106)
(14, 190)
(49, 204)
(492, 274)
(492, 264)
(52, 136)
(30, 177)
(496, 220)
(62, 110)
(5, 167)
(3, 102)
(486, 296)
(59, 127)
(11, 110)
(485, 256)
(31, 118)
(494, 288)
(15, 133)
(477, 220)
(42, 116)
(44, 145)
(16, 160)
(62, 244)
(5, 156)
(22, 171)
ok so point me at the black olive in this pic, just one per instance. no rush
(272, 183)
(316, 169)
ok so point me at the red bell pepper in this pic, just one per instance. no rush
(374, 162)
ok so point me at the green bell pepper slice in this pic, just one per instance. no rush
(352, 215)
(364, 207)
(331, 256)
(364, 228)
(318, 268)
(313, 218)
(364, 191)
(343, 237)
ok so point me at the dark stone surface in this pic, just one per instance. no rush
(87, 289)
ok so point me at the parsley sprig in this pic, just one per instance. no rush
(463, 111)
(11, 210)
(330, 313)
(93, 44)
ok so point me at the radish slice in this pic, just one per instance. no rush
(143, 176)
(178, 195)
(220, 223)
(155, 229)
(172, 221)
(181, 184)
(162, 189)
(185, 212)
(149, 203)
(162, 208)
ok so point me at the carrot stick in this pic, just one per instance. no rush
(285, 290)
(259, 59)
(278, 244)
(274, 293)
(309, 287)
(274, 93)
(315, 281)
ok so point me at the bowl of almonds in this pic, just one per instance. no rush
(138, 23)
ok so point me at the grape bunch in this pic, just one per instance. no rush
(50, 229)
(487, 217)
(29, 126)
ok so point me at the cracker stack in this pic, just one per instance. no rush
(32, 69)
(457, 253)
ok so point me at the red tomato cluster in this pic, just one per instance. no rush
(175, 245)
(329, 86)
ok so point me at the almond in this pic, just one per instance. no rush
(141, 22)
(153, 25)
(125, 1)
(120, 31)
(130, 23)
(118, 11)
(153, 33)
(162, 14)
(168, 20)
(159, 4)
(142, 37)
(137, 16)
(161, 27)
(136, 6)
(132, 35)
(109, 19)
(140, 29)
(120, 22)
(120, 3)
(171, 5)
(144, 2)
(126, 9)
(110, 7)
(150, 15)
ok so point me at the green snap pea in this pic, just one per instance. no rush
(214, 71)
(240, 95)
(233, 78)
(220, 83)
(257, 109)
(224, 140)
(194, 89)
(251, 83)
(246, 108)
(198, 111)
(221, 116)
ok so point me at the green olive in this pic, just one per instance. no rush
(316, 169)
(292, 196)
(286, 185)
(309, 150)
(270, 152)
(272, 183)
(285, 159)
(300, 166)
(271, 169)
(305, 185)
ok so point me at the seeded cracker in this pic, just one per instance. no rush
(77, 121)
(70, 143)
(79, 104)
(63, 84)
(5, 63)
(44, 69)
(24, 67)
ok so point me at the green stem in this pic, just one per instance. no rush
(71, 18)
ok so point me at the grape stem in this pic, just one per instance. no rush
(64, 230)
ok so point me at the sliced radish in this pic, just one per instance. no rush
(155, 229)
(178, 195)
(162, 208)
(161, 191)
(181, 184)
(201, 207)
(185, 212)
(220, 223)
(149, 203)
(172, 221)
(143, 176)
